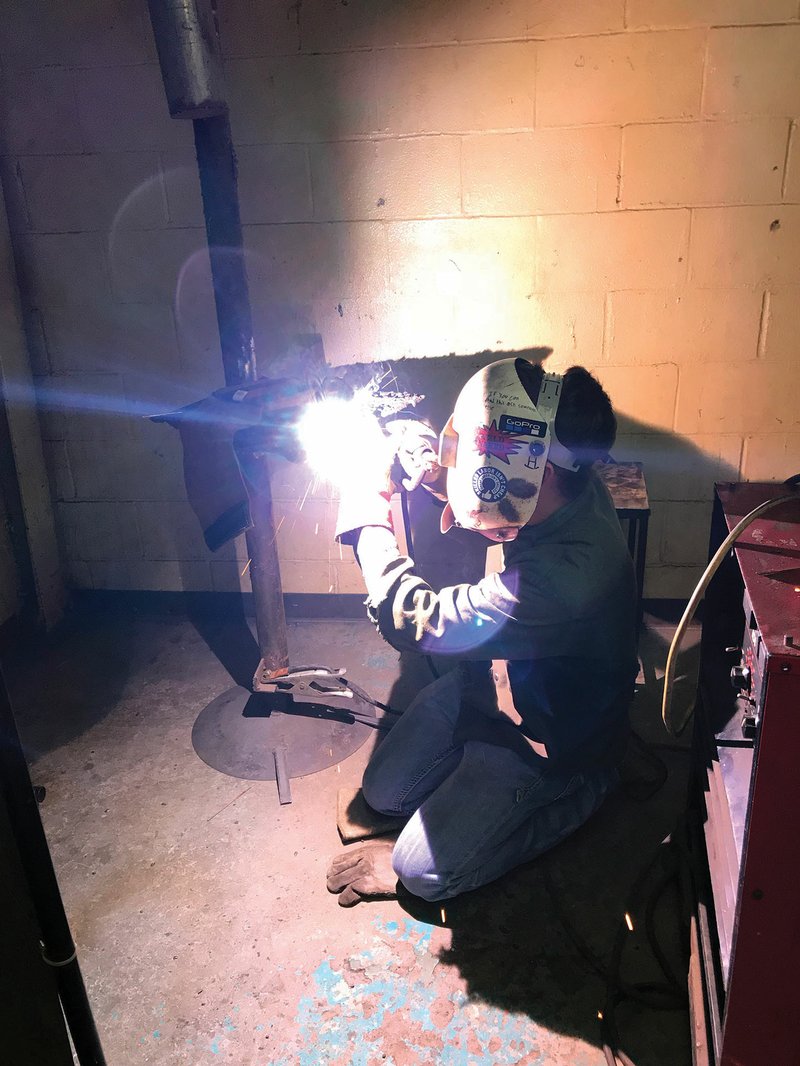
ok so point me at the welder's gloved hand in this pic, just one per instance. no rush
(363, 505)
(363, 873)
(416, 447)
(365, 486)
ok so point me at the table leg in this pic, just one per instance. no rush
(640, 558)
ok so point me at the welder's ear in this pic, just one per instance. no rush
(448, 444)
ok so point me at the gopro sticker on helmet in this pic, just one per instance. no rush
(528, 427)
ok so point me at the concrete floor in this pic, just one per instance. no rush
(204, 928)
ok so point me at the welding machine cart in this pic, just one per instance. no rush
(744, 804)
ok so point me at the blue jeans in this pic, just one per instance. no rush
(477, 810)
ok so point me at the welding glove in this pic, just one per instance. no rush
(416, 447)
(363, 873)
(365, 491)
(363, 504)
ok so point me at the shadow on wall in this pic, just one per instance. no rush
(680, 479)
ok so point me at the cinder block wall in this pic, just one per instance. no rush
(617, 179)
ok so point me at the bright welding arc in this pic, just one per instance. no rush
(343, 440)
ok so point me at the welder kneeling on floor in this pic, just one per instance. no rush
(510, 752)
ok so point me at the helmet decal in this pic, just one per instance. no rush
(489, 484)
(530, 427)
(495, 443)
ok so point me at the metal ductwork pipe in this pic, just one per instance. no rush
(191, 61)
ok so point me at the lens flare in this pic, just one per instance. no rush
(343, 441)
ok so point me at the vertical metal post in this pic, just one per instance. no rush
(216, 163)
(189, 54)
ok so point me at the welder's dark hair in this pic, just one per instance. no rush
(585, 420)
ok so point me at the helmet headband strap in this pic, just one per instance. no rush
(547, 405)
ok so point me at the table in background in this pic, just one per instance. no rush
(625, 482)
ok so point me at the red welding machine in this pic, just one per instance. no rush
(745, 794)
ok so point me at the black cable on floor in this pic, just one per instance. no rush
(643, 789)
(675, 998)
(664, 995)
(369, 699)
(656, 995)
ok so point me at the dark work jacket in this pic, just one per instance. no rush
(561, 612)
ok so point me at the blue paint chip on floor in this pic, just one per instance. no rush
(375, 1004)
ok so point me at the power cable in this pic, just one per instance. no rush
(674, 728)
(654, 995)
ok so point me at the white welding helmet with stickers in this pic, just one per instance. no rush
(495, 446)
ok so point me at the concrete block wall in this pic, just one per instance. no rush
(616, 179)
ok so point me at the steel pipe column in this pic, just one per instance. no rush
(191, 66)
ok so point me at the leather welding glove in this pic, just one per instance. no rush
(363, 873)
(364, 496)
(416, 448)
(359, 506)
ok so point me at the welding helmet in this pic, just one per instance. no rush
(495, 446)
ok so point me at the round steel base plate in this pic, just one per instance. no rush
(238, 732)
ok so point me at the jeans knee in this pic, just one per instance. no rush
(377, 795)
(418, 878)
(430, 891)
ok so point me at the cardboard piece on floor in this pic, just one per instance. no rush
(356, 820)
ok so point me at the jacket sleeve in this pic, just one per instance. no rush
(479, 621)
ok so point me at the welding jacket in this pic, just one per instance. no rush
(561, 613)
